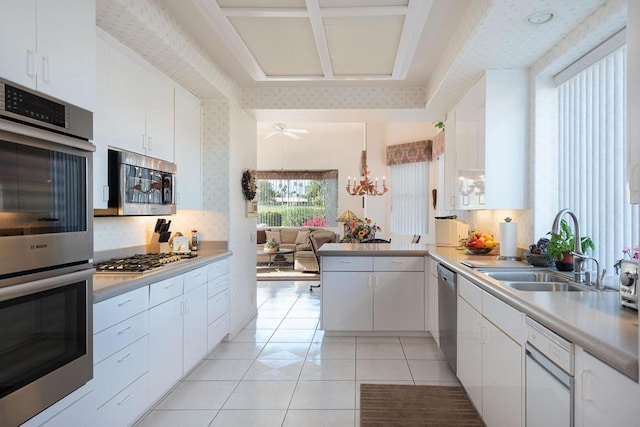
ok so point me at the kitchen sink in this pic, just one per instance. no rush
(546, 287)
(528, 276)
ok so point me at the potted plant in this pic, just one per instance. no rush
(272, 246)
(561, 245)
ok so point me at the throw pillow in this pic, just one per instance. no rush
(302, 237)
(273, 235)
(288, 235)
(261, 237)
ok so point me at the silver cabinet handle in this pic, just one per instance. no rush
(31, 63)
(124, 302)
(124, 330)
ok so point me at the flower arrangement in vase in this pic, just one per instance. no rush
(360, 230)
(272, 246)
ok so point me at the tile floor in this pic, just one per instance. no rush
(282, 371)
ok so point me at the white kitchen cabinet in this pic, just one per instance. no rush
(140, 103)
(603, 395)
(447, 171)
(398, 301)
(50, 46)
(489, 145)
(347, 301)
(373, 293)
(431, 299)
(217, 302)
(124, 408)
(188, 150)
(490, 357)
(195, 318)
(469, 357)
(165, 335)
(101, 126)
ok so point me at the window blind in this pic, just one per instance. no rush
(409, 198)
(592, 157)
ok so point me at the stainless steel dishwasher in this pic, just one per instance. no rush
(549, 385)
(447, 312)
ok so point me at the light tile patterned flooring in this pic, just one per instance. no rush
(282, 371)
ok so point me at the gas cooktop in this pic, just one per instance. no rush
(140, 263)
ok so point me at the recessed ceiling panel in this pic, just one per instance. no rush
(262, 4)
(281, 46)
(360, 3)
(363, 45)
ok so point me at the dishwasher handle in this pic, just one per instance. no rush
(445, 274)
(549, 366)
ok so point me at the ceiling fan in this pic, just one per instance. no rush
(281, 128)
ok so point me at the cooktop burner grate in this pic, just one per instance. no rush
(140, 263)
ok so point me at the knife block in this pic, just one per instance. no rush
(155, 246)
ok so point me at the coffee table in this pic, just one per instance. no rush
(278, 259)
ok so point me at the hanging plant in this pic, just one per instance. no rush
(249, 184)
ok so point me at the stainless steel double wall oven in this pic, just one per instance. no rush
(46, 251)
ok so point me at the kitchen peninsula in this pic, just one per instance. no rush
(366, 286)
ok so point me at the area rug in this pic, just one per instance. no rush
(285, 274)
(415, 405)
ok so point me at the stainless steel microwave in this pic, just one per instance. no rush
(139, 185)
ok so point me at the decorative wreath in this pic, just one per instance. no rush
(249, 184)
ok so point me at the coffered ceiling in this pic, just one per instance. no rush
(337, 41)
(284, 40)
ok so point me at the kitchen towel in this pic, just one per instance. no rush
(508, 239)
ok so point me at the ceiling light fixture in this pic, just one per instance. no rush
(365, 187)
(540, 17)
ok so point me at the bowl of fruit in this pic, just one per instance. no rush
(480, 243)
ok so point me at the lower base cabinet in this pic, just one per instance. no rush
(373, 294)
(490, 362)
(603, 396)
(145, 341)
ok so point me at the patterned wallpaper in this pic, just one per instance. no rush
(146, 27)
(332, 97)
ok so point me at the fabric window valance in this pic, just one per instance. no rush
(412, 152)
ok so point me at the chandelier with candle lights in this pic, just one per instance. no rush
(364, 186)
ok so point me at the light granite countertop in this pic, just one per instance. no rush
(593, 320)
(109, 285)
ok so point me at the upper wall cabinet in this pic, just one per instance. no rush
(486, 144)
(134, 111)
(140, 108)
(50, 46)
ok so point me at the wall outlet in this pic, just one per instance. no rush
(252, 237)
(253, 297)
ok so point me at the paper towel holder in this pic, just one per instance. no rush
(508, 258)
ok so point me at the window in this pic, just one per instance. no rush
(297, 198)
(409, 198)
(592, 156)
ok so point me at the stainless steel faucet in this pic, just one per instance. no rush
(599, 275)
(578, 258)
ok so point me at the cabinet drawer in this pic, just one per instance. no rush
(119, 370)
(353, 263)
(505, 317)
(470, 293)
(126, 407)
(217, 285)
(218, 268)
(217, 306)
(216, 331)
(119, 336)
(398, 263)
(114, 310)
(163, 291)
(195, 278)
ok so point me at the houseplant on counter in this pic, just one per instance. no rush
(359, 231)
(561, 245)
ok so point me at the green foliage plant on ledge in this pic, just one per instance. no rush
(559, 244)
